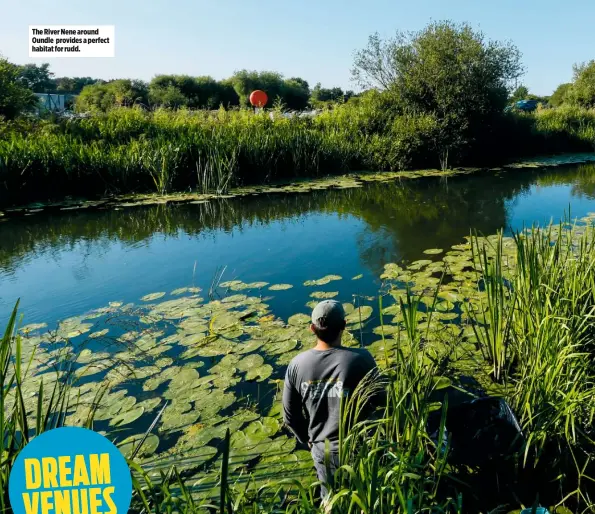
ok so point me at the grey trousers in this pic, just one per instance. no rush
(324, 470)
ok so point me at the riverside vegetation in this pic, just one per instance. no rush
(130, 150)
(187, 382)
(163, 379)
(413, 115)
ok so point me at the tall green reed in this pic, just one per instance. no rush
(128, 150)
(545, 318)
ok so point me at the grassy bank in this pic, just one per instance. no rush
(525, 308)
(129, 150)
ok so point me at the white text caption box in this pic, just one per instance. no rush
(48, 41)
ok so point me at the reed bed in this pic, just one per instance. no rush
(129, 150)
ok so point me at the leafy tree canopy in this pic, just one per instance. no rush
(583, 88)
(560, 95)
(15, 96)
(446, 70)
(38, 78)
(121, 92)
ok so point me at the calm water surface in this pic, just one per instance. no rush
(65, 264)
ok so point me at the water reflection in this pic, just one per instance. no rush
(79, 258)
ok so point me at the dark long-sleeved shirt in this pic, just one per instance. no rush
(315, 382)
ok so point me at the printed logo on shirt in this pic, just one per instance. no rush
(317, 389)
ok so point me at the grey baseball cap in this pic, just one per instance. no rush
(328, 314)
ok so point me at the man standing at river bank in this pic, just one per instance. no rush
(315, 383)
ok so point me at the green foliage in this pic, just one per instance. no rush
(293, 92)
(117, 93)
(446, 70)
(531, 302)
(582, 92)
(323, 97)
(244, 82)
(73, 85)
(131, 150)
(21, 418)
(15, 97)
(560, 95)
(193, 92)
(38, 78)
(167, 96)
(520, 93)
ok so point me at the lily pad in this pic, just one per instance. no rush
(176, 421)
(260, 373)
(299, 319)
(322, 281)
(257, 285)
(433, 251)
(359, 314)
(249, 362)
(184, 378)
(249, 346)
(192, 459)
(32, 327)
(149, 404)
(280, 287)
(234, 298)
(444, 306)
(265, 427)
(152, 296)
(321, 295)
(100, 333)
(278, 348)
(230, 283)
(127, 417)
(357, 277)
(129, 445)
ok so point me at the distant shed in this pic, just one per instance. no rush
(53, 102)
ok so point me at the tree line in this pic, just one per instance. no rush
(449, 73)
(175, 91)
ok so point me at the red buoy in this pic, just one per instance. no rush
(259, 98)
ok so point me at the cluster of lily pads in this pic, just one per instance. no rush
(203, 367)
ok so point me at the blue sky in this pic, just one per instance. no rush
(306, 38)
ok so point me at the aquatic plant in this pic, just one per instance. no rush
(208, 431)
(128, 150)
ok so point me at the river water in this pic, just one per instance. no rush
(67, 263)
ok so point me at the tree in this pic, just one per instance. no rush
(38, 78)
(211, 94)
(228, 94)
(520, 93)
(447, 71)
(74, 85)
(195, 92)
(296, 93)
(244, 82)
(324, 96)
(121, 92)
(167, 96)
(15, 97)
(583, 89)
(560, 95)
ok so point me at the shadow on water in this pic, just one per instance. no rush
(348, 232)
